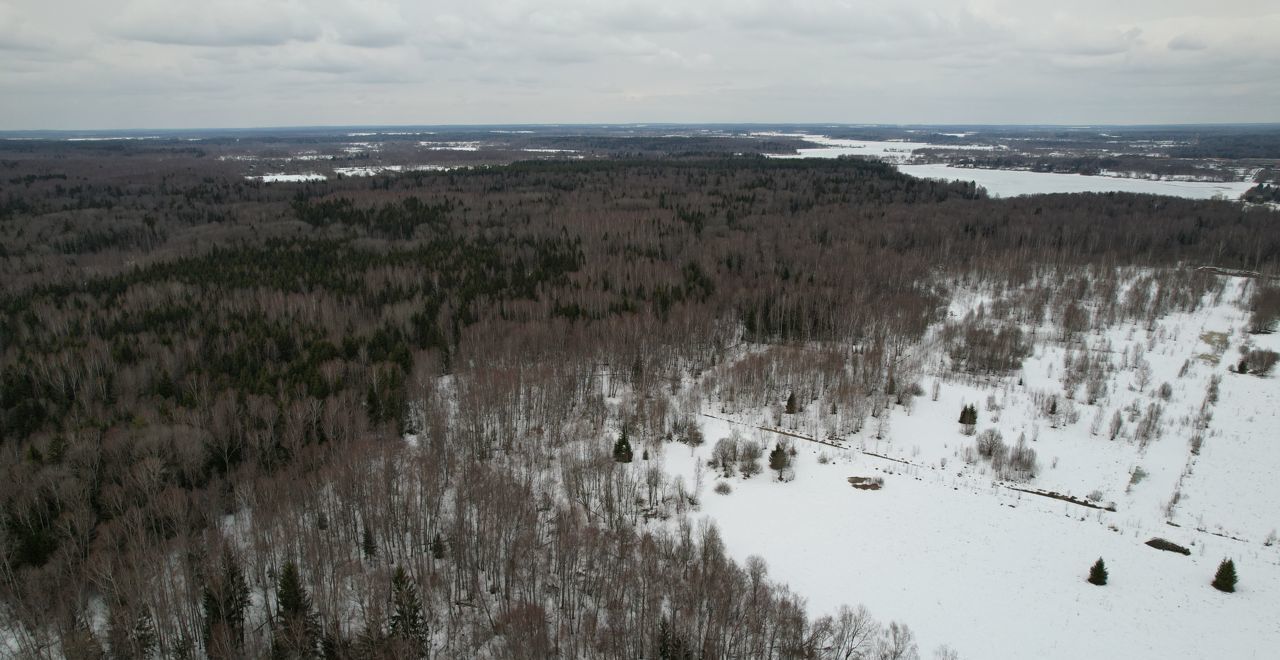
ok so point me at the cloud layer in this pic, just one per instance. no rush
(152, 63)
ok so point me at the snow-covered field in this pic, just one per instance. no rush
(966, 560)
(287, 178)
(1011, 183)
(893, 151)
(1006, 183)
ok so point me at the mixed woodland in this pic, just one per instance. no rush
(378, 417)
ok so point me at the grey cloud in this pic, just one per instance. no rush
(274, 62)
(223, 24)
(1186, 42)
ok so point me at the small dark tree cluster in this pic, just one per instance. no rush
(622, 448)
(1258, 362)
(968, 419)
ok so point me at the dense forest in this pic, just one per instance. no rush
(376, 417)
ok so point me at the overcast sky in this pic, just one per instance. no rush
(174, 63)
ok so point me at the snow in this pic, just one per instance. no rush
(451, 146)
(965, 560)
(1012, 183)
(372, 170)
(368, 170)
(287, 178)
(1006, 183)
(894, 151)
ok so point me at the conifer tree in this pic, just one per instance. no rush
(225, 598)
(1225, 580)
(779, 460)
(368, 544)
(408, 628)
(968, 419)
(1098, 574)
(622, 448)
(296, 630)
(792, 406)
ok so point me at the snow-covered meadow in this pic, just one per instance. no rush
(987, 567)
(1012, 183)
(1006, 183)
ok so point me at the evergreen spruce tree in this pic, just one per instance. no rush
(408, 628)
(968, 419)
(143, 635)
(225, 599)
(792, 407)
(1098, 574)
(779, 460)
(622, 448)
(368, 544)
(1225, 580)
(296, 629)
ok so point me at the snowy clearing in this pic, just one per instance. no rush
(1012, 183)
(287, 178)
(996, 568)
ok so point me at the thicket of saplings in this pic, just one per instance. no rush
(206, 383)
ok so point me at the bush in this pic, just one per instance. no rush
(1259, 362)
(990, 442)
(1098, 574)
(749, 454)
(1225, 580)
(725, 455)
(1266, 310)
(1170, 546)
(723, 488)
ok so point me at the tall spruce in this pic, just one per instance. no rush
(408, 627)
(296, 629)
(225, 599)
(622, 448)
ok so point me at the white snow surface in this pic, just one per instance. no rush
(1012, 183)
(967, 561)
(1005, 183)
(287, 178)
(893, 151)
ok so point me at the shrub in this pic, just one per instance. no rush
(1259, 362)
(1022, 461)
(990, 442)
(1098, 574)
(1225, 580)
(725, 455)
(749, 454)
(1266, 310)
(1169, 546)
(723, 488)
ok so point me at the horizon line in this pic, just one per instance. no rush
(324, 127)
